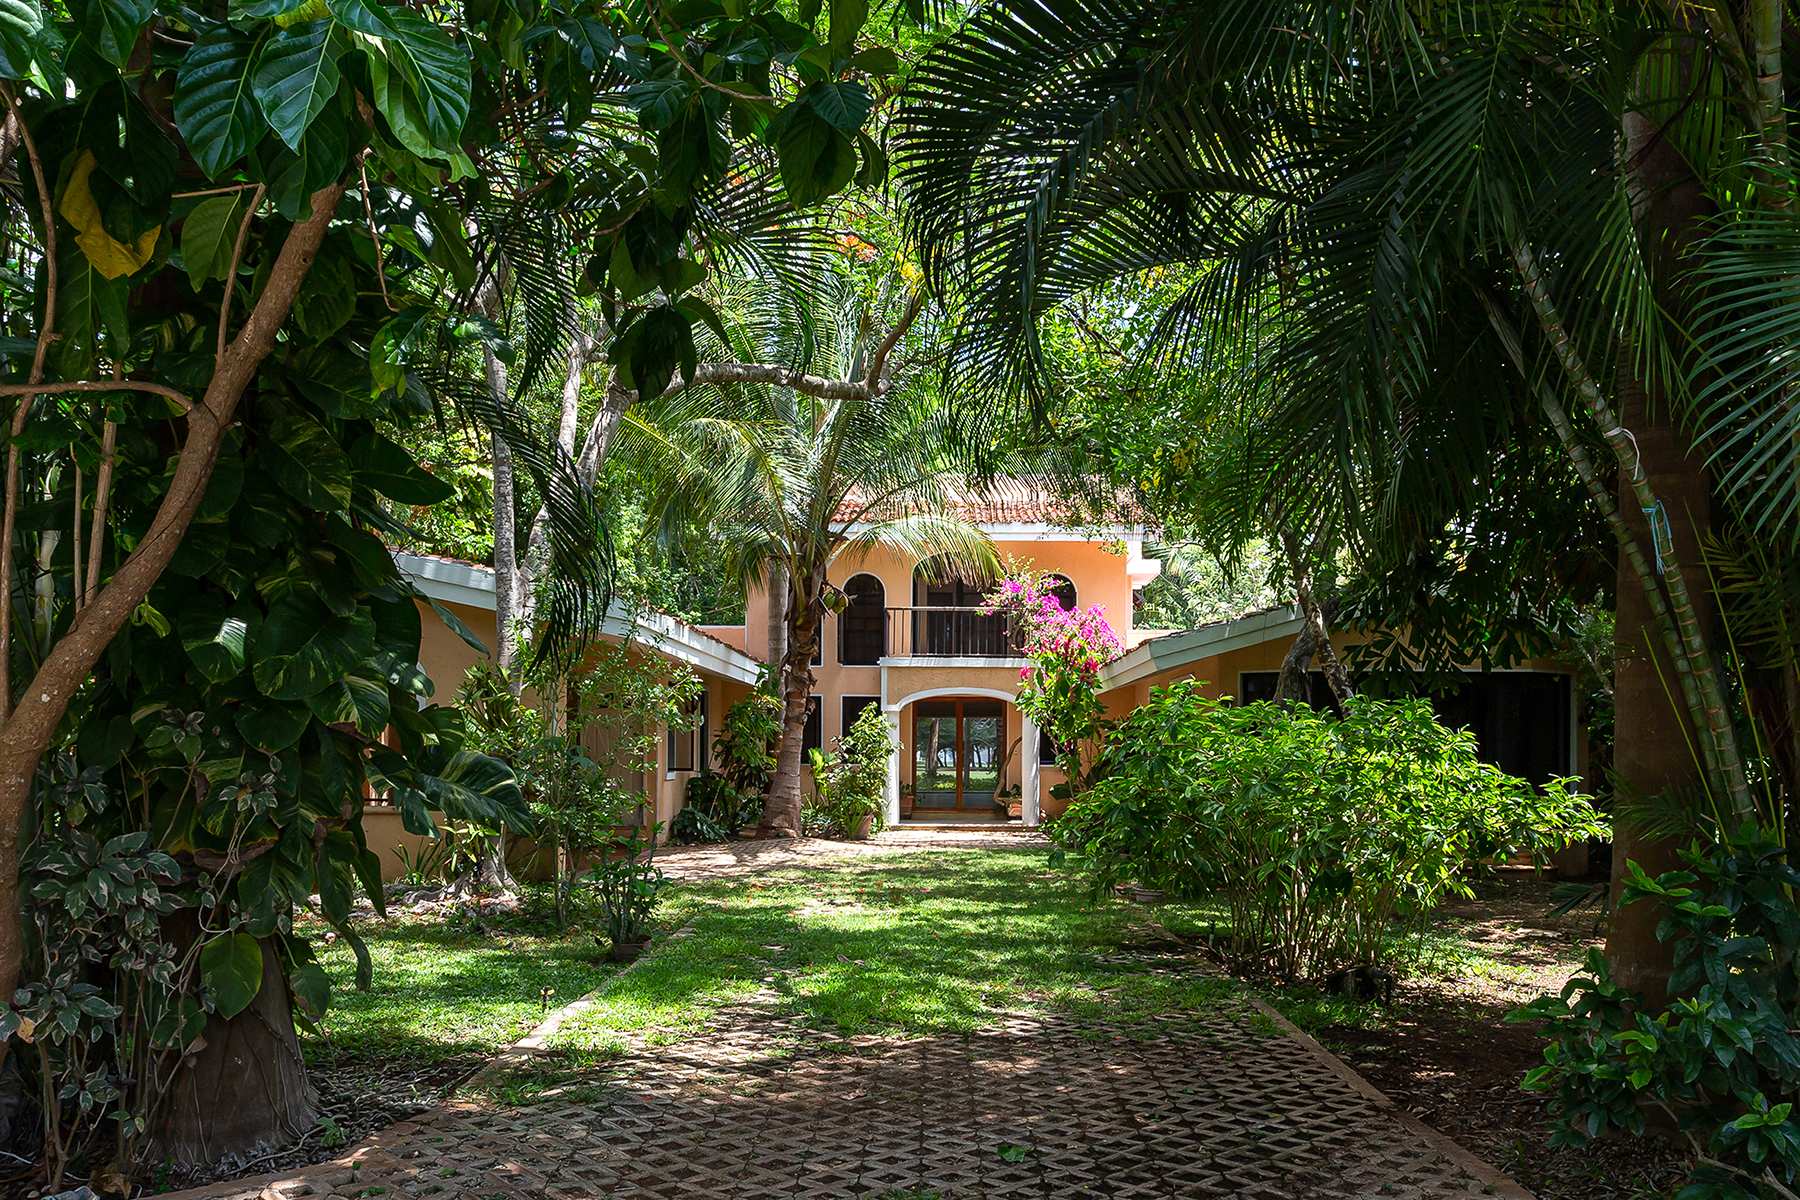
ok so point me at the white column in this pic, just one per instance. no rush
(1028, 789)
(893, 771)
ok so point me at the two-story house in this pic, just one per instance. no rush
(913, 641)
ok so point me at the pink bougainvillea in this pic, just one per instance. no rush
(1060, 689)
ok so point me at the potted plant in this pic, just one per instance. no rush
(630, 885)
(852, 782)
(907, 793)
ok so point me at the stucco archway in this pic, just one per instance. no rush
(1028, 740)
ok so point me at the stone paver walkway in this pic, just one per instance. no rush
(1228, 1102)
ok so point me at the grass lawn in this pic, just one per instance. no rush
(450, 987)
(912, 942)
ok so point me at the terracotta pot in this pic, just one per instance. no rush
(1015, 809)
(906, 806)
(863, 829)
(625, 952)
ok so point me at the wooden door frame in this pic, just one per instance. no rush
(961, 759)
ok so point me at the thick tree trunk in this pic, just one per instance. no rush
(1654, 750)
(28, 731)
(778, 614)
(781, 812)
(1294, 684)
(247, 1092)
(1316, 621)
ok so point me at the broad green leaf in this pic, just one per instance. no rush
(395, 98)
(328, 297)
(353, 700)
(120, 23)
(296, 76)
(449, 248)
(311, 988)
(844, 105)
(302, 649)
(467, 786)
(657, 101)
(594, 43)
(816, 159)
(439, 72)
(232, 967)
(308, 464)
(876, 60)
(364, 18)
(272, 726)
(293, 176)
(209, 235)
(387, 468)
(217, 637)
(336, 379)
(214, 106)
(847, 18)
(20, 18)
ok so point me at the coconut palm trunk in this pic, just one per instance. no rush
(782, 810)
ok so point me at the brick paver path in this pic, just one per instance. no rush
(1225, 1102)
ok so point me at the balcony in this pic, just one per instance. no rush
(942, 632)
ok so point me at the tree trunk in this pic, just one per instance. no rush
(27, 731)
(778, 614)
(781, 812)
(1654, 750)
(1335, 675)
(246, 1092)
(1294, 684)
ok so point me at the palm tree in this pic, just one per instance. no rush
(795, 469)
(1435, 203)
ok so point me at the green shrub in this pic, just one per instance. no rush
(712, 810)
(851, 782)
(1722, 1059)
(1325, 837)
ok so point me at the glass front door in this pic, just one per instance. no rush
(956, 753)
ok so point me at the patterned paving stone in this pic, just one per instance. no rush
(1221, 1103)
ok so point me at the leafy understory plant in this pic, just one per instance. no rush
(630, 886)
(1722, 1060)
(1329, 839)
(851, 782)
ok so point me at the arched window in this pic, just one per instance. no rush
(862, 626)
(1063, 588)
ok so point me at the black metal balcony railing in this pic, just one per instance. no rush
(932, 631)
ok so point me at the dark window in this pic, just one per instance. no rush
(853, 708)
(687, 747)
(1064, 591)
(1046, 750)
(1260, 685)
(813, 738)
(862, 626)
(818, 658)
(702, 737)
(1520, 719)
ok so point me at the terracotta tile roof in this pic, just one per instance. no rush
(1021, 502)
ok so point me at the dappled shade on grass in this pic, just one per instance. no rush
(914, 942)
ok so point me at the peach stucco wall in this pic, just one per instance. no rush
(1097, 569)
(447, 659)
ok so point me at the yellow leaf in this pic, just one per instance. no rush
(111, 257)
(27, 1027)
